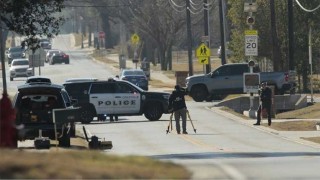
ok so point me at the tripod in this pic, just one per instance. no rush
(191, 122)
(170, 123)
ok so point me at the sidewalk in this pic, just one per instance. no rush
(289, 135)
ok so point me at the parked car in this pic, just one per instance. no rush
(15, 53)
(135, 76)
(20, 68)
(35, 103)
(45, 43)
(60, 57)
(116, 98)
(50, 53)
(228, 79)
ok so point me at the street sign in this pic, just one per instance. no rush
(203, 60)
(135, 38)
(251, 82)
(102, 35)
(251, 43)
(250, 7)
(203, 53)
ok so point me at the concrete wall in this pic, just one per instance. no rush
(281, 103)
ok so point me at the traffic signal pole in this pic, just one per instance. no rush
(250, 20)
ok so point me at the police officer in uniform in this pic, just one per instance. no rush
(266, 101)
(178, 105)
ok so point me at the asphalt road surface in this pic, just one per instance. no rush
(222, 147)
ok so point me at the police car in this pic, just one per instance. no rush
(116, 97)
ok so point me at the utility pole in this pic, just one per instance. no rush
(310, 62)
(222, 35)
(2, 49)
(291, 37)
(189, 37)
(206, 31)
(97, 38)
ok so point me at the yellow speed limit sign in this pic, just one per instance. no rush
(135, 39)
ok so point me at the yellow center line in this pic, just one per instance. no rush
(198, 142)
(202, 144)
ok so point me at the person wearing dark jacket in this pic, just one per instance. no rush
(178, 105)
(266, 101)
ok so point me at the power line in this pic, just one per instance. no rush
(197, 9)
(174, 6)
(198, 12)
(121, 5)
(193, 9)
(195, 4)
(307, 10)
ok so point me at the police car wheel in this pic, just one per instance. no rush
(86, 116)
(153, 112)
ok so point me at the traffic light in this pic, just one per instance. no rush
(250, 20)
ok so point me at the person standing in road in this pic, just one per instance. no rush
(266, 101)
(178, 105)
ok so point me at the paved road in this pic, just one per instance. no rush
(224, 147)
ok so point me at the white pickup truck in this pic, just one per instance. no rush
(228, 79)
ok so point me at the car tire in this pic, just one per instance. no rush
(86, 115)
(153, 111)
(11, 78)
(67, 62)
(199, 93)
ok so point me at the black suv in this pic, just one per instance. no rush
(35, 102)
(15, 53)
(115, 98)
